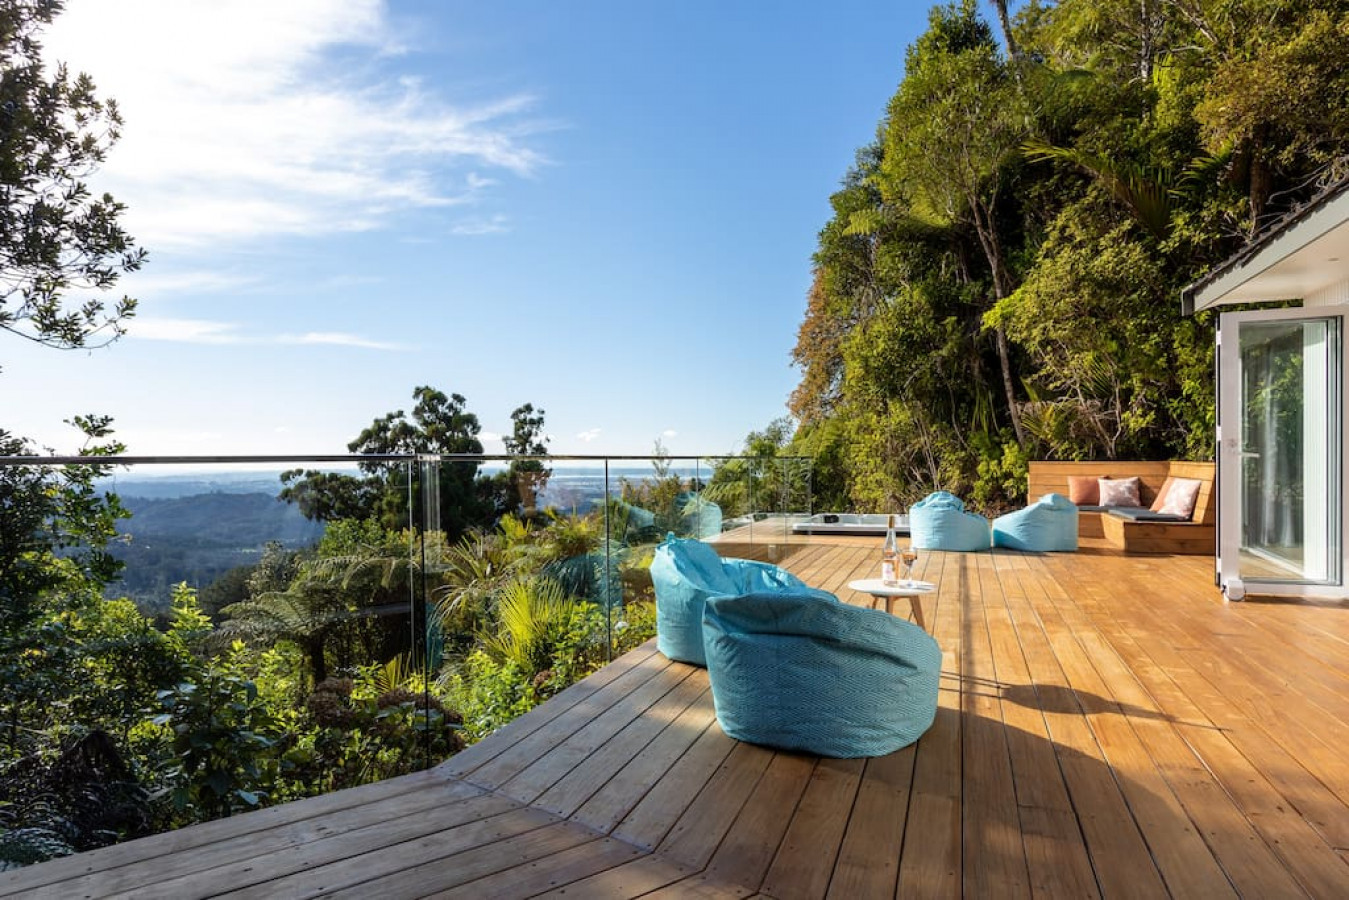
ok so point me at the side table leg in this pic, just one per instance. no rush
(915, 603)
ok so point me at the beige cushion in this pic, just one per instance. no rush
(1119, 491)
(1182, 496)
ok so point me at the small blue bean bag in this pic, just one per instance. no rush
(804, 672)
(939, 522)
(698, 517)
(1048, 524)
(685, 573)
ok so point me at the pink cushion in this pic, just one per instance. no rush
(1181, 498)
(1119, 491)
(1083, 491)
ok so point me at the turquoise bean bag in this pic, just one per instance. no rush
(939, 522)
(804, 672)
(685, 573)
(699, 517)
(1047, 525)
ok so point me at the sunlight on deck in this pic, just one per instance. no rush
(1107, 726)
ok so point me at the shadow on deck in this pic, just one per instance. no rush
(1107, 726)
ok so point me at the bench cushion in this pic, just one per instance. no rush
(1143, 514)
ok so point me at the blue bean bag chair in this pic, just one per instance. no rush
(804, 672)
(1048, 524)
(699, 517)
(685, 573)
(939, 522)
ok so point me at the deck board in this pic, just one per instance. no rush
(1108, 725)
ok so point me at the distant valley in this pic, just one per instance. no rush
(198, 537)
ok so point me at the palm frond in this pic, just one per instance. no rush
(1146, 192)
(530, 612)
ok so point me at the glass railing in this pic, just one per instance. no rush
(186, 638)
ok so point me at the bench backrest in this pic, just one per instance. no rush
(1048, 476)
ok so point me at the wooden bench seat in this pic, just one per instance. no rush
(1195, 537)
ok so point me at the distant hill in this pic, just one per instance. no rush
(141, 482)
(198, 538)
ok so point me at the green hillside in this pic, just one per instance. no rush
(198, 538)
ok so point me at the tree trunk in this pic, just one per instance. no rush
(1005, 21)
(1004, 358)
(986, 229)
(1261, 181)
(318, 663)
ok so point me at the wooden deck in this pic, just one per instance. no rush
(1108, 726)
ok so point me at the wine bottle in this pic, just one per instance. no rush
(890, 554)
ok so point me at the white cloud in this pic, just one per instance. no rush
(206, 331)
(588, 435)
(669, 433)
(158, 283)
(497, 224)
(243, 124)
(337, 338)
(183, 331)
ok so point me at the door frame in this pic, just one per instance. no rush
(1229, 451)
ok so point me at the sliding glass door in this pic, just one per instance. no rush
(1281, 427)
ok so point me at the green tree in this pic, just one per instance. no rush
(962, 280)
(438, 424)
(953, 134)
(304, 615)
(56, 236)
(527, 477)
(222, 735)
(758, 480)
(54, 534)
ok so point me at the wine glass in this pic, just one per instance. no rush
(908, 556)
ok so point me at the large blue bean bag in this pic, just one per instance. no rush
(804, 672)
(685, 573)
(1046, 525)
(939, 522)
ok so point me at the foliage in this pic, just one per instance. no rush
(54, 565)
(1000, 277)
(473, 572)
(526, 477)
(56, 236)
(339, 602)
(530, 616)
(760, 479)
(84, 796)
(438, 424)
(188, 726)
(221, 732)
(489, 693)
(359, 736)
(491, 690)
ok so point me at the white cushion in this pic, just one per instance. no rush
(1181, 498)
(1119, 491)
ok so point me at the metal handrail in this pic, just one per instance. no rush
(363, 457)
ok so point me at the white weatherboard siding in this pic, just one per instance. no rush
(1336, 294)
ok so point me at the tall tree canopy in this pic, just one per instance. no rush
(439, 424)
(61, 246)
(1000, 277)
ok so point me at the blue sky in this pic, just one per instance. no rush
(606, 209)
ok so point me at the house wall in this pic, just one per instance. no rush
(1332, 295)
